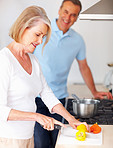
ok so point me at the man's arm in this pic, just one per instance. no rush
(88, 78)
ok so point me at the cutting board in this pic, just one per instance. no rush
(67, 136)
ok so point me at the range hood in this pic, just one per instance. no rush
(103, 10)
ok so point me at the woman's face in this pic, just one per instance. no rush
(33, 36)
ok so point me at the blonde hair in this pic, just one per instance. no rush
(27, 19)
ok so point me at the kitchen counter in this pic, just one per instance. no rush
(107, 140)
(82, 91)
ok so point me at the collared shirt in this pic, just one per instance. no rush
(58, 56)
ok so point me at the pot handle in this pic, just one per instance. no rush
(77, 98)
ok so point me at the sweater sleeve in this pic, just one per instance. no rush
(4, 84)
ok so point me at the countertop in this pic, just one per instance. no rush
(107, 140)
(81, 91)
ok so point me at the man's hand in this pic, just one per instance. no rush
(103, 95)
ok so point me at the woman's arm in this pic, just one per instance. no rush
(59, 109)
(45, 121)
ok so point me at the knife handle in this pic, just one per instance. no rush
(56, 126)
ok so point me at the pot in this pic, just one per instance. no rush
(85, 108)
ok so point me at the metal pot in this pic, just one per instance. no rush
(85, 108)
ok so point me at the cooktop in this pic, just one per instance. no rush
(104, 114)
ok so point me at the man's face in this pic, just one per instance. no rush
(68, 14)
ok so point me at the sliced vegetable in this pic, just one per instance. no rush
(95, 128)
(80, 135)
(82, 127)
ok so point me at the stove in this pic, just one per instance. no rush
(104, 114)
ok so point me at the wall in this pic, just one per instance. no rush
(98, 35)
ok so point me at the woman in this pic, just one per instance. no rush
(21, 80)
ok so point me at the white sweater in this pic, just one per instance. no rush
(18, 90)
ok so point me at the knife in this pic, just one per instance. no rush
(56, 126)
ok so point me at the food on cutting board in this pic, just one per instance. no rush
(95, 128)
(80, 135)
(82, 127)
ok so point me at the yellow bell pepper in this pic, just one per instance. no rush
(80, 135)
(82, 127)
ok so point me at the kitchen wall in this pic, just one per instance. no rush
(98, 35)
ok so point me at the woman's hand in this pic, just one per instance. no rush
(47, 122)
(74, 123)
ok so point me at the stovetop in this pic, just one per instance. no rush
(104, 114)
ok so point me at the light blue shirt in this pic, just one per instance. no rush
(58, 56)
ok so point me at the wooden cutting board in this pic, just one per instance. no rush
(67, 136)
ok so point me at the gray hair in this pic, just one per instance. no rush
(75, 2)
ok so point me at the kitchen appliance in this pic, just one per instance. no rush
(104, 114)
(85, 108)
(102, 10)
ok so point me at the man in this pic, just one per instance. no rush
(64, 46)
